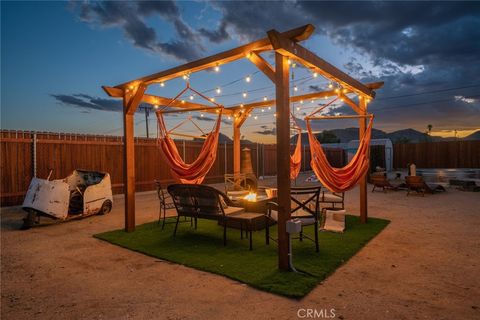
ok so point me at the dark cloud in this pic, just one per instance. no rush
(200, 118)
(129, 16)
(267, 131)
(412, 46)
(216, 36)
(86, 102)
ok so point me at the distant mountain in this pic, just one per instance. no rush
(408, 135)
(473, 136)
(222, 138)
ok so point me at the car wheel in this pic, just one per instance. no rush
(106, 207)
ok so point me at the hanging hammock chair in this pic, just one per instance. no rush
(340, 179)
(296, 157)
(195, 172)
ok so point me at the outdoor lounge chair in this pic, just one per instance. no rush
(202, 202)
(381, 181)
(417, 184)
(305, 207)
(333, 198)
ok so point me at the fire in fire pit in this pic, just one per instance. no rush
(251, 197)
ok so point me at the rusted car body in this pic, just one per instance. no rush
(81, 194)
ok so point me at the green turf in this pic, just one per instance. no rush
(203, 249)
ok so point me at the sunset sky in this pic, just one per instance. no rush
(55, 56)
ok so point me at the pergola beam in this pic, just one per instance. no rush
(295, 51)
(262, 65)
(308, 96)
(162, 101)
(297, 34)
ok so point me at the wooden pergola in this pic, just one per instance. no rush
(286, 46)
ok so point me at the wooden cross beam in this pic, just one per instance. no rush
(295, 51)
(162, 101)
(297, 34)
(308, 96)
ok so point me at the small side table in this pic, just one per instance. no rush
(248, 221)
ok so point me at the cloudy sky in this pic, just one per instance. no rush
(55, 56)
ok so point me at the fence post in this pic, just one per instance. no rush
(225, 168)
(34, 154)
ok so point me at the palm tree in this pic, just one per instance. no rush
(429, 127)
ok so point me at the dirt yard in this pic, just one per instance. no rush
(424, 265)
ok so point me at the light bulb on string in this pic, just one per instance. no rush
(191, 97)
(295, 88)
(263, 110)
(255, 117)
(298, 108)
(269, 108)
(265, 98)
(301, 101)
(248, 79)
(155, 107)
(212, 99)
(201, 114)
(162, 84)
(330, 85)
(315, 74)
(217, 68)
(244, 94)
(218, 90)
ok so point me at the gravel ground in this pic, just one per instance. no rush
(424, 265)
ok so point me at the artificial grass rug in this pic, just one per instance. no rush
(203, 249)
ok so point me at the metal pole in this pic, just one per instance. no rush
(34, 154)
(258, 162)
(146, 121)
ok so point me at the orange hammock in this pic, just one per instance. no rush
(296, 158)
(340, 179)
(195, 172)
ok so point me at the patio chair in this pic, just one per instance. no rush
(165, 204)
(381, 181)
(305, 207)
(417, 184)
(333, 198)
(202, 202)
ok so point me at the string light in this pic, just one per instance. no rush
(330, 85)
(249, 55)
(155, 107)
(162, 84)
(301, 101)
(345, 90)
(295, 88)
(275, 114)
(289, 61)
(183, 101)
(298, 108)
(217, 68)
(212, 99)
(312, 101)
(191, 97)
(218, 90)
(360, 97)
(265, 98)
(337, 90)
(255, 117)
(263, 110)
(244, 94)
(241, 105)
(185, 77)
(201, 114)
(248, 79)
(269, 108)
(229, 118)
(249, 115)
(315, 74)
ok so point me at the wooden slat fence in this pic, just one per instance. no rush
(444, 154)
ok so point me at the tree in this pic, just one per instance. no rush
(327, 137)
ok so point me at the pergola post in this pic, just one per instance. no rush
(236, 147)
(283, 155)
(362, 124)
(131, 100)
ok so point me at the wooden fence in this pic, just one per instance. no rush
(445, 154)
(25, 153)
